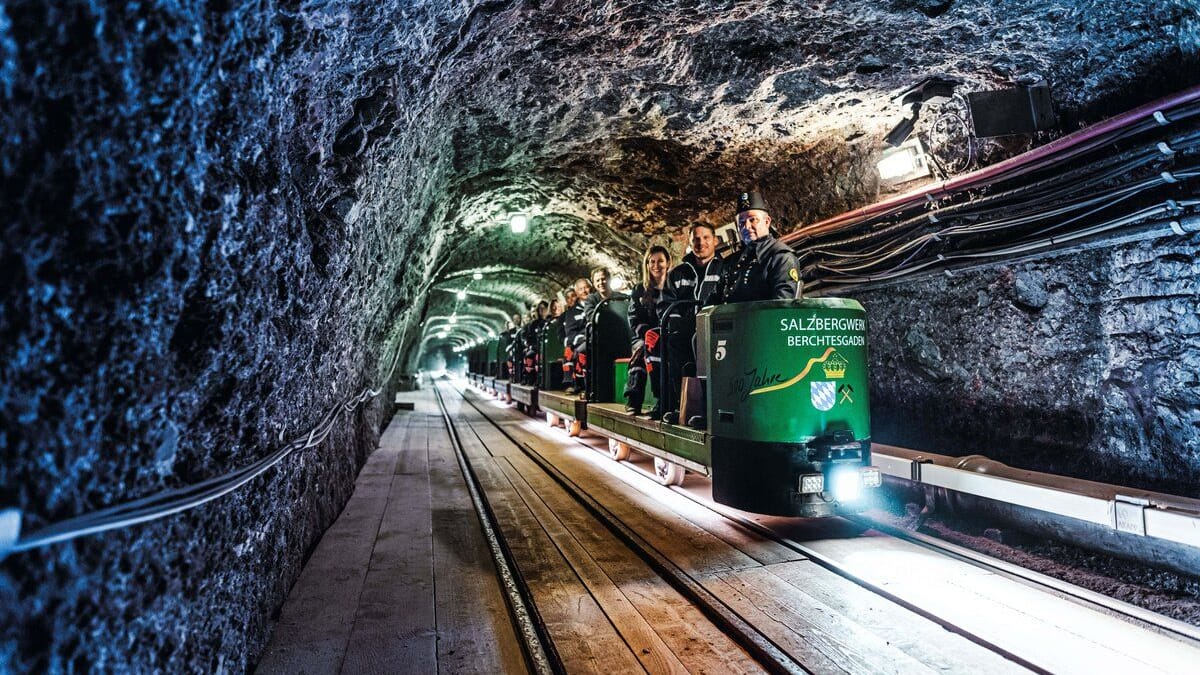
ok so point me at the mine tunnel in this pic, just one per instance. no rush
(262, 263)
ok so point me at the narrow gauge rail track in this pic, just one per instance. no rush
(538, 648)
(1146, 619)
(538, 643)
(771, 656)
(1086, 597)
(1139, 615)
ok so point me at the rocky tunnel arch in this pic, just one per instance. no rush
(223, 220)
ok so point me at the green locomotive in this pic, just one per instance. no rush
(789, 428)
(788, 416)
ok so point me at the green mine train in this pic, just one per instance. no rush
(787, 425)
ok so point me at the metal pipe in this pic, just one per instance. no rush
(1149, 527)
(1059, 150)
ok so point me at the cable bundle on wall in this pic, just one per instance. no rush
(177, 500)
(1059, 193)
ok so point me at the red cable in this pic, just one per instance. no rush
(1069, 146)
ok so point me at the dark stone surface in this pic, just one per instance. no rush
(1083, 364)
(183, 288)
(220, 219)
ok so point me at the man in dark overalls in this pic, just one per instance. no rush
(575, 334)
(765, 268)
(694, 280)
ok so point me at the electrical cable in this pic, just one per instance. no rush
(1169, 208)
(1088, 177)
(176, 500)
(1083, 191)
(1178, 106)
(1099, 202)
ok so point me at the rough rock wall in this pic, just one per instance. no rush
(200, 256)
(1084, 364)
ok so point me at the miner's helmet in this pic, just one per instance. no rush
(751, 200)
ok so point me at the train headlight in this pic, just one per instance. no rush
(847, 486)
(812, 483)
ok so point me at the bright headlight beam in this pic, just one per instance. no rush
(519, 223)
(847, 486)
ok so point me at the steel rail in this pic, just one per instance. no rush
(761, 648)
(1087, 597)
(833, 566)
(535, 639)
(1147, 618)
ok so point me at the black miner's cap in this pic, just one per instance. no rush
(751, 200)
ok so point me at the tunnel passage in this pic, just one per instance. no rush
(224, 220)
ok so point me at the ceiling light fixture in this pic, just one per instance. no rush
(461, 295)
(477, 276)
(904, 163)
(519, 223)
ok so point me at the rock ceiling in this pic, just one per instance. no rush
(611, 122)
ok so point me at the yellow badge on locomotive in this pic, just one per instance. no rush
(793, 274)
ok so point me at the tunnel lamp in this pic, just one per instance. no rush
(442, 334)
(477, 276)
(491, 333)
(519, 223)
(617, 283)
(905, 163)
(454, 319)
(461, 295)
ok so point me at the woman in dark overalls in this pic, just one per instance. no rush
(645, 324)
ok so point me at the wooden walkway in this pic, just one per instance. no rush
(823, 621)
(403, 580)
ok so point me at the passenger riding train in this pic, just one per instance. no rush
(785, 415)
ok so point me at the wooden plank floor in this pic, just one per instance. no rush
(824, 621)
(403, 581)
(605, 609)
